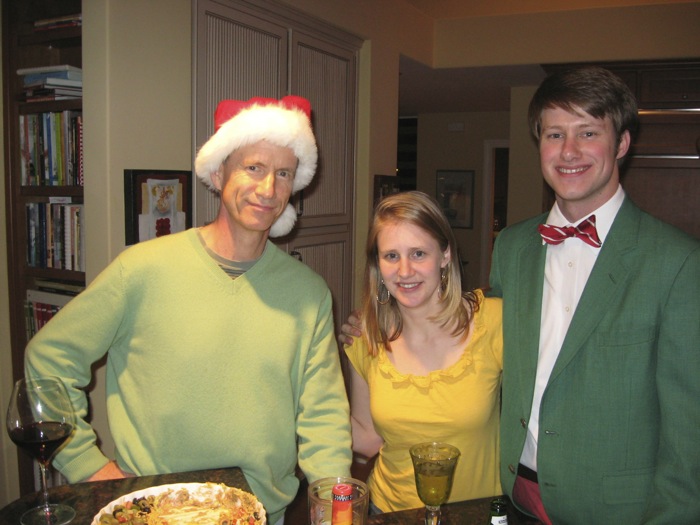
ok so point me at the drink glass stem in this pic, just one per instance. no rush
(45, 491)
(432, 515)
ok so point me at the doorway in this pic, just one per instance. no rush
(494, 198)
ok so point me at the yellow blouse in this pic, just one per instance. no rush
(458, 405)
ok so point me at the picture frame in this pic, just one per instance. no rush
(385, 185)
(156, 203)
(455, 194)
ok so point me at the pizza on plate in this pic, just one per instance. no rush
(185, 504)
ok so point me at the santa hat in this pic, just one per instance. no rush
(284, 122)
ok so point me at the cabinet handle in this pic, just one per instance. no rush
(296, 255)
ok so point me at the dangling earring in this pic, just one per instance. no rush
(383, 295)
(444, 279)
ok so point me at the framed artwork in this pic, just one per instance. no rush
(385, 185)
(156, 203)
(455, 193)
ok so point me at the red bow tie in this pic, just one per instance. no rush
(585, 231)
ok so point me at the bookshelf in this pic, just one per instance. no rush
(43, 168)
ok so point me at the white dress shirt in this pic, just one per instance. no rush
(566, 272)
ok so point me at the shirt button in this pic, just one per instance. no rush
(511, 468)
(571, 265)
(567, 309)
(523, 423)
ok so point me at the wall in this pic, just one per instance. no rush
(442, 149)
(524, 175)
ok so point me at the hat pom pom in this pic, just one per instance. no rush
(284, 223)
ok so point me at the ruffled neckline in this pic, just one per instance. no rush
(451, 372)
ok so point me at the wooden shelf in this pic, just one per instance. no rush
(24, 47)
(58, 275)
(62, 37)
(26, 108)
(51, 191)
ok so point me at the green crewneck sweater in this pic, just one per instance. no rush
(204, 371)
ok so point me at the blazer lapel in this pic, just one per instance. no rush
(531, 260)
(608, 277)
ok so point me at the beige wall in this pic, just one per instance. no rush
(442, 149)
(137, 101)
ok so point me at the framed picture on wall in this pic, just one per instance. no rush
(156, 203)
(455, 193)
(385, 185)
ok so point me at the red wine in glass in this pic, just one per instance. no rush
(41, 439)
(40, 419)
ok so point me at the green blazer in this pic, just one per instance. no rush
(619, 438)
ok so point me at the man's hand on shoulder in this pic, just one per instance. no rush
(350, 330)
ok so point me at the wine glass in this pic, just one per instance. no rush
(434, 467)
(40, 419)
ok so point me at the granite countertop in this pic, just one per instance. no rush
(88, 498)
(473, 512)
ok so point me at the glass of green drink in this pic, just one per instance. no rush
(434, 467)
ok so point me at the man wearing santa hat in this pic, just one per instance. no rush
(220, 346)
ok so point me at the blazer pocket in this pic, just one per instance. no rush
(628, 487)
(627, 337)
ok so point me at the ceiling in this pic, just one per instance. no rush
(426, 90)
(454, 90)
(423, 89)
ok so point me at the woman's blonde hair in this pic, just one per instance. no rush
(381, 317)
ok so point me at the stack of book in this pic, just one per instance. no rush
(51, 148)
(41, 306)
(48, 83)
(55, 235)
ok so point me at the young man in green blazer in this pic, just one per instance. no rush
(601, 388)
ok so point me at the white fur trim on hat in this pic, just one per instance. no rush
(284, 223)
(281, 126)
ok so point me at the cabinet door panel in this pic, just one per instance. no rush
(666, 188)
(325, 74)
(329, 255)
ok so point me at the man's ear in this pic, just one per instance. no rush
(217, 178)
(624, 144)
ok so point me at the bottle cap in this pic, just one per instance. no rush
(342, 492)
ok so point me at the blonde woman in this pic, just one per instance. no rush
(428, 364)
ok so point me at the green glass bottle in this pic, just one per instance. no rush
(499, 515)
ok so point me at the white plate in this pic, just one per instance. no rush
(193, 488)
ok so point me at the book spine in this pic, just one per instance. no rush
(24, 149)
(31, 234)
(67, 147)
(79, 238)
(46, 151)
(48, 229)
(58, 141)
(81, 172)
(68, 238)
(33, 151)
